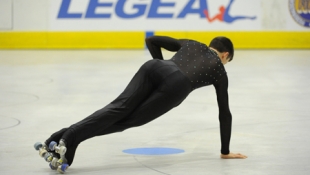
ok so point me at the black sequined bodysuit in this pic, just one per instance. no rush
(203, 67)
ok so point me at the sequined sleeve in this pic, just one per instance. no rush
(225, 116)
(155, 43)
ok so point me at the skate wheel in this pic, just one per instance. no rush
(52, 146)
(42, 152)
(63, 168)
(52, 167)
(48, 157)
(38, 145)
(54, 164)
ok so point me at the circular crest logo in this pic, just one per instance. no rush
(300, 11)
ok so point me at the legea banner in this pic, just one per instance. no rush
(150, 15)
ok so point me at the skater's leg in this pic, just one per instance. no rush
(147, 79)
(168, 95)
(137, 92)
(113, 112)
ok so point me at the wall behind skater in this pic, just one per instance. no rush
(123, 24)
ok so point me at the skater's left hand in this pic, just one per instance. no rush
(233, 156)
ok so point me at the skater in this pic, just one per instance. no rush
(157, 87)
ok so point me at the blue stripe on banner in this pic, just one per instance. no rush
(148, 34)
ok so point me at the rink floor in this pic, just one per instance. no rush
(44, 91)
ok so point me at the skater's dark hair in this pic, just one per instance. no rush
(223, 44)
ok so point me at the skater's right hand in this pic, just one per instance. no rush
(233, 156)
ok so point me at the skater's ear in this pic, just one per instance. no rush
(224, 56)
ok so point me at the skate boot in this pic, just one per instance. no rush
(61, 163)
(44, 151)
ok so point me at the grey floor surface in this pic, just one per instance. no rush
(44, 91)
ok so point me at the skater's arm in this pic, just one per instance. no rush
(225, 119)
(155, 43)
(225, 116)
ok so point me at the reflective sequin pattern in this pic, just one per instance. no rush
(199, 63)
